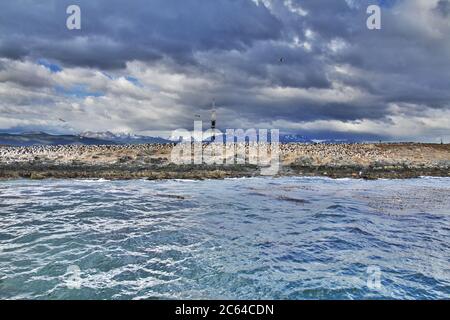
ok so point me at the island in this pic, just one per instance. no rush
(153, 161)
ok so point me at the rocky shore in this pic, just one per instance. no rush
(153, 161)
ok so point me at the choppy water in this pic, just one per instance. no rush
(286, 238)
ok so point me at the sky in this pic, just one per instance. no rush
(309, 67)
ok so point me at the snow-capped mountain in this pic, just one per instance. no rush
(123, 138)
(42, 138)
(290, 138)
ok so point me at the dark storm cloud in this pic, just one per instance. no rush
(247, 52)
(114, 31)
(443, 7)
(399, 62)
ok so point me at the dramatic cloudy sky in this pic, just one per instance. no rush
(148, 66)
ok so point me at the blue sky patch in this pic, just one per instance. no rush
(386, 3)
(53, 67)
(133, 80)
(78, 91)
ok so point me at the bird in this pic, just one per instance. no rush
(281, 60)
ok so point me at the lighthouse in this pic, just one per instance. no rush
(213, 121)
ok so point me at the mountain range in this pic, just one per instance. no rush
(123, 138)
(86, 138)
(109, 138)
(42, 138)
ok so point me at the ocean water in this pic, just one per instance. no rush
(258, 238)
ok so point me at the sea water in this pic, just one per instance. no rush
(256, 238)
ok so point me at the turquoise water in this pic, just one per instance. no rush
(259, 238)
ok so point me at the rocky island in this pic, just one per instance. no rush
(153, 161)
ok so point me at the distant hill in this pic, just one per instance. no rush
(109, 138)
(330, 137)
(289, 138)
(123, 138)
(42, 138)
(86, 138)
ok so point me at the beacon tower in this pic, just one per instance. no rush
(213, 121)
